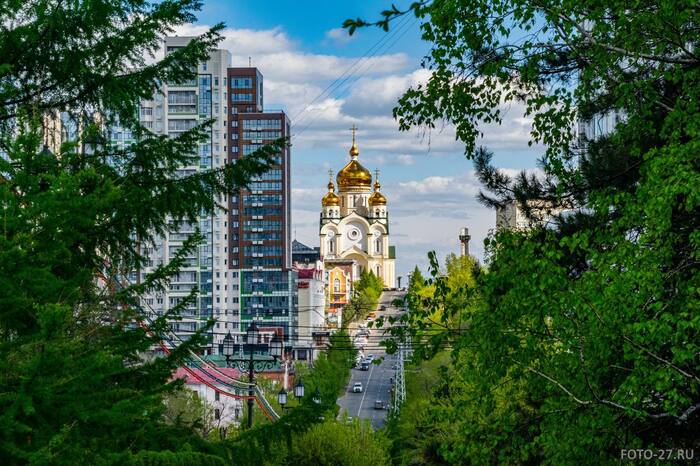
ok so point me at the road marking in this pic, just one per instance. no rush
(364, 392)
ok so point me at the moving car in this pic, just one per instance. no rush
(379, 404)
(357, 388)
(364, 365)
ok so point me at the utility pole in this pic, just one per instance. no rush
(399, 380)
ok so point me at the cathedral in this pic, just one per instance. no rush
(354, 233)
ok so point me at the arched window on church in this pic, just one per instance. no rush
(330, 246)
(336, 285)
(379, 271)
(378, 245)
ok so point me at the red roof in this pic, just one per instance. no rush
(181, 373)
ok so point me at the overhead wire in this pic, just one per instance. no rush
(367, 56)
(398, 36)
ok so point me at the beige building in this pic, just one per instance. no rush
(355, 222)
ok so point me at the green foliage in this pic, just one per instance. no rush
(75, 388)
(417, 433)
(184, 408)
(365, 299)
(341, 443)
(268, 443)
(582, 338)
(417, 279)
(169, 458)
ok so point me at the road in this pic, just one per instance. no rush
(376, 382)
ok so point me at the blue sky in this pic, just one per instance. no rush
(300, 49)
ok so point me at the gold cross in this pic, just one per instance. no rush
(330, 174)
(353, 129)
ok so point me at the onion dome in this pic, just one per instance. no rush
(330, 199)
(377, 198)
(354, 176)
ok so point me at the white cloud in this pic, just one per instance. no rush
(243, 41)
(338, 36)
(426, 211)
(405, 159)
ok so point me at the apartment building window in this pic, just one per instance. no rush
(262, 124)
(274, 174)
(216, 80)
(262, 211)
(242, 97)
(262, 134)
(146, 111)
(241, 83)
(182, 97)
(181, 125)
(266, 186)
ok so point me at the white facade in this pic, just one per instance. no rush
(312, 314)
(355, 222)
(512, 217)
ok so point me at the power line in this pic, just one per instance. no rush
(370, 53)
(398, 36)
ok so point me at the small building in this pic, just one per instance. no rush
(303, 254)
(226, 410)
(313, 328)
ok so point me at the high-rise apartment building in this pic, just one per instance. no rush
(180, 107)
(243, 267)
(260, 218)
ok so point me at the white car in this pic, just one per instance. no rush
(357, 388)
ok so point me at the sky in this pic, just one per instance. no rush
(302, 51)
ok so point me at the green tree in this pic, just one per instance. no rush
(365, 298)
(74, 387)
(341, 443)
(588, 337)
(417, 280)
(268, 443)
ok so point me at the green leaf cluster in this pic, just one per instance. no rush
(582, 337)
(365, 297)
(75, 387)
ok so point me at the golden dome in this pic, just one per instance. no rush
(377, 198)
(354, 175)
(330, 199)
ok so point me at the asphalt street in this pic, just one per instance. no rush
(376, 382)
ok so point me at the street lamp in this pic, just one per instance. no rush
(299, 390)
(250, 365)
(298, 393)
(317, 396)
(276, 346)
(282, 397)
